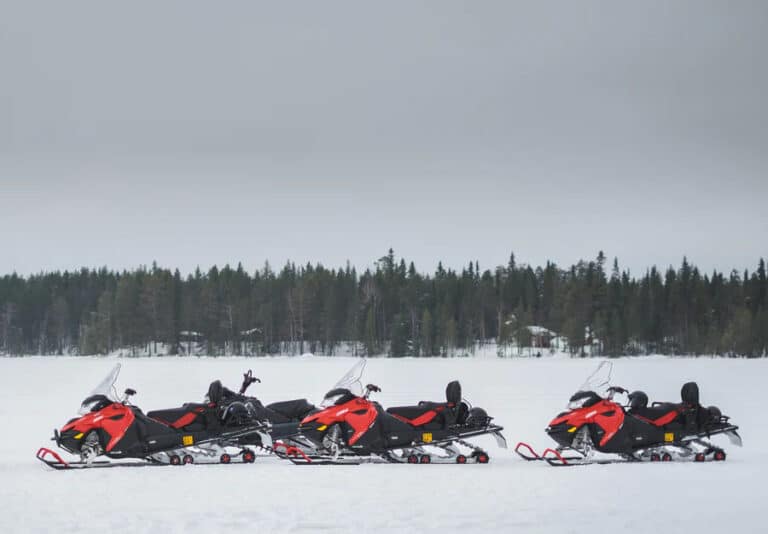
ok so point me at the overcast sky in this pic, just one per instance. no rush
(195, 133)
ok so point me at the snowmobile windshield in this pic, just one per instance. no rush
(352, 379)
(103, 394)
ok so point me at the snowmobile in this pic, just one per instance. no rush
(111, 427)
(598, 429)
(350, 428)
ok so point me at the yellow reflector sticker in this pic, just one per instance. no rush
(322, 427)
(572, 429)
(426, 437)
(187, 440)
(669, 436)
(78, 436)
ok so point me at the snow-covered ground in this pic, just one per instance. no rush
(38, 394)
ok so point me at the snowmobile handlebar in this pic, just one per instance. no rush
(248, 379)
(371, 388)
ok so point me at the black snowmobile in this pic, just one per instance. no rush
(598, 429)
(111, 427)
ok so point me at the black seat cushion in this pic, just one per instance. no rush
(409, 412)
(658, 415)
(428, 415)
(293, 410)
(191, 416)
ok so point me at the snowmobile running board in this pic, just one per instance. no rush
(59, 464)
(299, 457)
(348, 459)
(664, 453)
(54, 460)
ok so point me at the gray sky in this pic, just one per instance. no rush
(213, 132)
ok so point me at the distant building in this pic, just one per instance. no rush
(541, 338)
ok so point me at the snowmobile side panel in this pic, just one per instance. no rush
(114, 419)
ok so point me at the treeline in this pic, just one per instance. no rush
(392, 309)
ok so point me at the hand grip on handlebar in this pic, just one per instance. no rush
(373, 387)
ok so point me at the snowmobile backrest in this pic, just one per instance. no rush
(462, 410)
(215, 392)
(690, 393)
(453, 392)
(638, 399)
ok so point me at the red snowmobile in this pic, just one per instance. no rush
(113, 428)
(598, 429)
(351, 429)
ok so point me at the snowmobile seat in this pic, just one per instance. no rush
(657, 415)
(688, 413)
(190, 417)
(434, 415)
(427, 415)
(409, 412)
(293, 410)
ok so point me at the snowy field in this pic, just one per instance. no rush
(508, 495)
